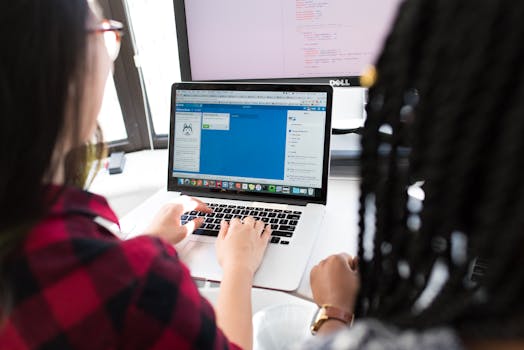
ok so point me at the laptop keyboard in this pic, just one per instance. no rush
(283, 222)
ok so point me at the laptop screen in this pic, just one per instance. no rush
(261, 142)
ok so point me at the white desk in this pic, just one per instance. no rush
(339, 229)
(145, 174)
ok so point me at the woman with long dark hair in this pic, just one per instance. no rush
(65, 281)
(442, 230)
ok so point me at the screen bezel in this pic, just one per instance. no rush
(185, 60)
(172, 184)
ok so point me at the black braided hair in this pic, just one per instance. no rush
(450, 90)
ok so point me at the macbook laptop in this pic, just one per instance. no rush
(252, 149)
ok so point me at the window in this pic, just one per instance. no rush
(153, 29)
(111, 119)
(123, 116)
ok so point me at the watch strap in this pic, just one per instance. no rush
(327, 312)
(333, 312)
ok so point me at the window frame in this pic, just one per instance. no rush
(129, 87)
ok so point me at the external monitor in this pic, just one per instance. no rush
(316, 41)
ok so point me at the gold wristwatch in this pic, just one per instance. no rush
(327, 312)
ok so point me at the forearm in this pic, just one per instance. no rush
(234, 307)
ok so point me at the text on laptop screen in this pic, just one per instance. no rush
(253, 141)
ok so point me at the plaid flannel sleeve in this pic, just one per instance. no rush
(166, 310)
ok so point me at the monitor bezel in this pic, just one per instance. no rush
(172, 184)
(185, 60)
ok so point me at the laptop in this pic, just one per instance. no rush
(252, 149)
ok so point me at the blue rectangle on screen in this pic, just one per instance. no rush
(254, 145)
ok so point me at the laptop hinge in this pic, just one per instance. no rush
(271, 205)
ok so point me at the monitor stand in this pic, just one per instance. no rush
(348, 113)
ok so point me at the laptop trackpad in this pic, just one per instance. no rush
(201, 259)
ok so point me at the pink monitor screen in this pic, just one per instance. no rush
(273, 39)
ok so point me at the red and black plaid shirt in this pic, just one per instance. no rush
(77, 286)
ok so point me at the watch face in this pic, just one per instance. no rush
(315, 315)
(318, 318)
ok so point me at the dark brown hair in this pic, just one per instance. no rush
(42, 69)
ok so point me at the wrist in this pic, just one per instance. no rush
(238, 270)
(341, 306)
(341, 300)
(325, 316)
(331, 325)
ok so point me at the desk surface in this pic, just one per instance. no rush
(144, 176)
(339, 230)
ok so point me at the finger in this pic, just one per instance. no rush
(223, 229)
(354, 263)
(181, 232)
(264, 239)
(189, 203)
(259, 226)
(250, 221)
(192, 225)
(266, 233)
(201, 206)
(325, 260)
(198, 222)
(235, 222)
(200, 202)
(313, 272)
(348, 259)
(172, 209)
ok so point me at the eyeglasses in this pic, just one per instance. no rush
(113, 32)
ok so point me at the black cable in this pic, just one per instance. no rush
(357, 131)
(403, 151)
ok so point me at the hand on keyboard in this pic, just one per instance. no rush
(168, 224)
(241, 244)
(283, 222)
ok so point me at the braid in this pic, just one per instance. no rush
(418, 252)
(447, 204)
(493, 210)
(465, 141)
(370, 167)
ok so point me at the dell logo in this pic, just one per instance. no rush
(340, 82)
